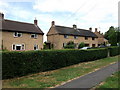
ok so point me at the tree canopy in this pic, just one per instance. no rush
(113, 36)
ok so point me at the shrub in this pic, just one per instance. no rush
(81, 45)
(114, 50)
(16, 64)
(70, 45)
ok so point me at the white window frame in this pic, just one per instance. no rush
(18, 45)
(75, 37)
(64, 44)
(86, 38)
(37, 46)
(93, 38)
(66, 36)
(17, 34)
(35, 35)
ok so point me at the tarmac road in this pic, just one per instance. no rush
(92, 79)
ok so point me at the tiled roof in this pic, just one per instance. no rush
(71, 31)
(9, 25)
(99, 35)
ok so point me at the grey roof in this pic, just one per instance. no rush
(9, 25)
(71, 31)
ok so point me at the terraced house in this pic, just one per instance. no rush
(20, 35)
(59, 36)
(101, 39)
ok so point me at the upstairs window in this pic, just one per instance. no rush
(93, 38)
(75, 37)
(65, 36)
(35, 47)
(17, 34)
(34, 35)
(86, 38)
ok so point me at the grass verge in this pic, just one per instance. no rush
(111, 82)
(56, 77)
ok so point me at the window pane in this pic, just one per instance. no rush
(13, 47)
(35, 35)
(86, 38)
(32, 35)
(93, 38)
(65, 36)
(22, 46)
(18, 47)
(15, 34)
(19, 34)
(35, 47)
(75, 37)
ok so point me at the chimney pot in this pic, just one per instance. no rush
(53, 23)
(35, 21)
(95, 29)
(1, 16)
(74, 26)
(90, 29)
(99, 32)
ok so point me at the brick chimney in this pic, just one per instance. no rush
(52, 23)
(99, 32)
(35, 21)
(1, 16)
(96, 30)
(74, 26)
(90, 29)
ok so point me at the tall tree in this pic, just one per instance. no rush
(112, 35)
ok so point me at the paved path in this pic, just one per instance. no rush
(92, 79)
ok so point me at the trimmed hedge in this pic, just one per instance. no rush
(114, 50)
(16, 64)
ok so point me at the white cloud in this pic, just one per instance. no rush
(3, 6)
(59, 5)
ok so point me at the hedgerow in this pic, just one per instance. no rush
(114, 50)
(15, 64)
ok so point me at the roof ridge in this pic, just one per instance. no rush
(71, 27)
(18, 21)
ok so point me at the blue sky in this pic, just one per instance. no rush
(99, 14)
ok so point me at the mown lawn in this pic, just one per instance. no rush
(56, 77)
(111, 82)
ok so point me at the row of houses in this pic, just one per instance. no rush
(27, 36)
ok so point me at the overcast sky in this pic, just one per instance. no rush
(99, 14)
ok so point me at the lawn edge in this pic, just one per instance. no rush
(82, 75)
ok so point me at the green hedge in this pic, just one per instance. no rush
(114, 50)
(16, 64)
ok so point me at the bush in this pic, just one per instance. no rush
(70, 45)
(16, 64)
(114, 50)
(81, 45)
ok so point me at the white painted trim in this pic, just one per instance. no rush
(34, 36)
(18, 45)
(17, 34)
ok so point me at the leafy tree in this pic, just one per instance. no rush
(112, 35)
(81, 45)
(111, 30)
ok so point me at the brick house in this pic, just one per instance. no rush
(20, 35)
(101, 39)
(59, 36)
